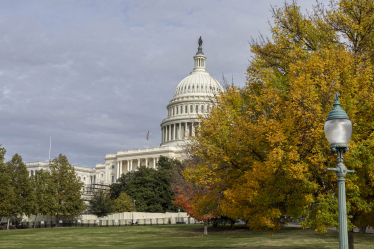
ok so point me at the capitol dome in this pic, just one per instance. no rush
(193, 96)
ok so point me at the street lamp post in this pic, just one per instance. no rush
(338, 131)
(132, 221)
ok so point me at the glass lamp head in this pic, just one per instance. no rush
(338, 127)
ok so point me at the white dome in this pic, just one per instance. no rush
(197, 83)
(192, 97)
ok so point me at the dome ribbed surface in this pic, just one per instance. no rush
(198, 83)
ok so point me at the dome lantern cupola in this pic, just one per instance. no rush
(199, 59)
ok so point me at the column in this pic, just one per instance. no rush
(106, 173)
(138, 162)
(185, 129)
(154, 162)
(179, 131)
(193, 129)
(175, 132)
(118, 174)
(169, 132)
(173, 135)
(120, 168)
(146, 162)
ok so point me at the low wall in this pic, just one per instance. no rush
(128, 217)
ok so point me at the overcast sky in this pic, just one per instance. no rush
(97, 75)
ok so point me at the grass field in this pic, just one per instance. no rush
(172, 236)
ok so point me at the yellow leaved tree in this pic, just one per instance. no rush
(262, 148)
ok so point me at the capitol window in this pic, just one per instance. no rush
(177, 109)
(193, 86)
(184, 87)
(188, 87)
(191, 109)
(173, 111)
(197, 86)
(207, 108)
(185, 109)
(202, 108)
(181, 109)
(197, 109)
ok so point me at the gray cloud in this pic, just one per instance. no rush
(97, 75)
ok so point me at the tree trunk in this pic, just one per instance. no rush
(206, 227)
(215, 223)
(36, 216)
(7, 223)
(350, 240)
(232, 224)
(363, 229)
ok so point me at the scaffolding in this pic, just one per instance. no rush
(90, 189)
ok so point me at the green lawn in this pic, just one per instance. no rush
(172, 236)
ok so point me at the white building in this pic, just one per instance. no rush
(192, 96)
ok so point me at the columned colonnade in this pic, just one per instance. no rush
(127, 165)
(178, 131)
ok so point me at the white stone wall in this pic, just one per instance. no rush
(127, 217)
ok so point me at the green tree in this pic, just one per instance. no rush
(23, 195)
(67, 187)
(45, 191)
(123, 204)
(101, 205)
(6, 189)
(150, 188)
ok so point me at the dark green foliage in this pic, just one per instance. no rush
(17, 188)
(23, 192)
(68, 187)
(150, 188)
(6, 188)
(45, 191)
(101, 205)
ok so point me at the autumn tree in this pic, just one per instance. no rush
(67, 187)
(263, 147)
(195, 198)
(123, 204)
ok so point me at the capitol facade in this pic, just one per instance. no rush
(192, 97)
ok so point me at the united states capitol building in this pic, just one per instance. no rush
(193, 96)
